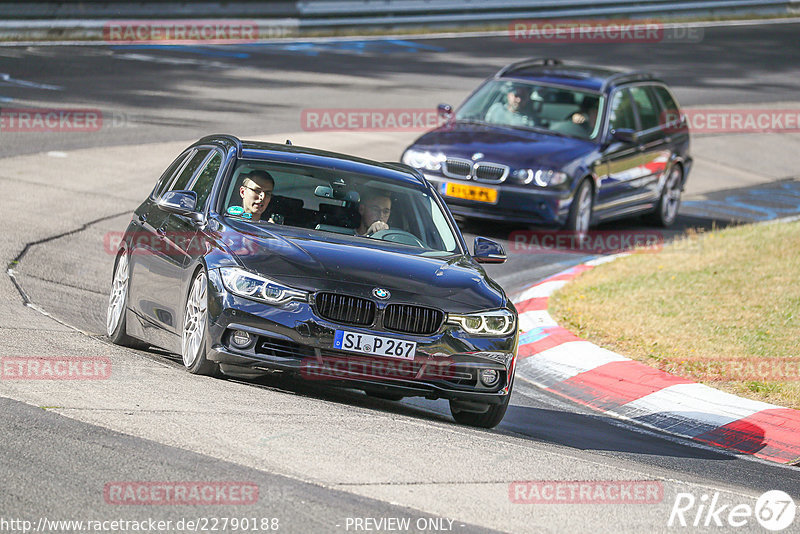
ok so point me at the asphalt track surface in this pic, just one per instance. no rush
(318, 456)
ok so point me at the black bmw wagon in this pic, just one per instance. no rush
(251, 258)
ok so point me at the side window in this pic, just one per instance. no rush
(621, 117)
(169, 174)
(648, 111)
(182, 181)
(205, 180)
(669, 108)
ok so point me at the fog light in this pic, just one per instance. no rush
(489, 377)
(241, 339)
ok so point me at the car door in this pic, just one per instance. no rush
(144, 240)
(654, 145)
(158, 266)
(672, 121)
(184, 238)
(619, 165)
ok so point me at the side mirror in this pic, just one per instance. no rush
(180, 202)
(487, 251)
(625, 135)
(445, 111)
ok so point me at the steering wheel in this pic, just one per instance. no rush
(398, 236)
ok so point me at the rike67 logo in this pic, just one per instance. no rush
(774, 510)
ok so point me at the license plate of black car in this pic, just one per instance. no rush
(374, 345)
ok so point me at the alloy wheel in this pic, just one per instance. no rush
(194, 323)
(118, 296)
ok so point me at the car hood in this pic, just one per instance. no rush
(344, 264)
(518, 148)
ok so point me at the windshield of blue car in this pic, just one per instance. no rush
(342, 203)
(517, 104)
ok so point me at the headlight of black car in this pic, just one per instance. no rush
(253, 286)
(486, 323)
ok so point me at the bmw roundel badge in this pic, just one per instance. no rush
(381, 293)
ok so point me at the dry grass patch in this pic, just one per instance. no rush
(730, 296)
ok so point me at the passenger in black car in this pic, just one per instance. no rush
(375, 209)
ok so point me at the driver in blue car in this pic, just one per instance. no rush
(375, 208)
(514, 111)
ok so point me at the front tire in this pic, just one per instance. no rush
(667, 208)
(118, 305)
(488, 419)
(580, 212)
(195, 328)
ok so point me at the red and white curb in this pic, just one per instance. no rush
(558, 361)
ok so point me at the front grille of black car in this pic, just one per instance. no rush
(412, 319)
(490, 172)
(345, 309)
(282, 348)
(457, 168)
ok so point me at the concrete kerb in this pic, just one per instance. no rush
(558, 361)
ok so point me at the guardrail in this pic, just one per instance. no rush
(339, 13)
(75, 19)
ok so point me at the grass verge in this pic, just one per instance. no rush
(722, 308)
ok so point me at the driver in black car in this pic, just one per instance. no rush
(375, 209)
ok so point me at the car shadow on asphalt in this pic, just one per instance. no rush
(599, 433)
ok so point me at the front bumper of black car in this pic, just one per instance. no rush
(291, 338)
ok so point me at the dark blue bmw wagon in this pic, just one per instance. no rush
(555, 144)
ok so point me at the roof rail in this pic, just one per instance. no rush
(529, 62)
(228, 137)
(621, 77)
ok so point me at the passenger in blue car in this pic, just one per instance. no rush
(587, 115)
(515, 111)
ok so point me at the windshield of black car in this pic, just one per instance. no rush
(517, 104)
(343, 203)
